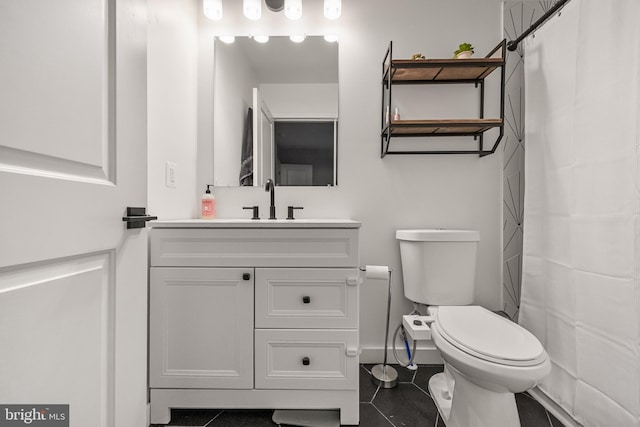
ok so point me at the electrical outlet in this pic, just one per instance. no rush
(170, 175)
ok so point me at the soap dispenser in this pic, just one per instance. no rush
(208, 209)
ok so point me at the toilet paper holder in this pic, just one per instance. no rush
(382, 374)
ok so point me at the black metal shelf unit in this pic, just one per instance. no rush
(441, 71)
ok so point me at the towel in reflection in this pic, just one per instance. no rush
(246, 160)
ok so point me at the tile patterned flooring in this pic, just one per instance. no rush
(406, 405)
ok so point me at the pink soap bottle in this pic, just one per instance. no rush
(208, 208)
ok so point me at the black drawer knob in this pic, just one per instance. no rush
(246, 276)
(306, 299)
(306, 361)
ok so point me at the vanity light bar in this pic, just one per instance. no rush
(252, 9)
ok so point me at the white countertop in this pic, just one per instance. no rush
(258, 223)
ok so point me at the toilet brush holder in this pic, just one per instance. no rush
(383, 375)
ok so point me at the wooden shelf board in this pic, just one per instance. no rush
(443, 127)
(443, 69)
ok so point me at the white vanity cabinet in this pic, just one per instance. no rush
(254, 314)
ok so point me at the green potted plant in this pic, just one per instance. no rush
(465, 50)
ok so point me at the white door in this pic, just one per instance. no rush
(73, 283)
(263, 140)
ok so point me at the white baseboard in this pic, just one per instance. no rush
(427, 355)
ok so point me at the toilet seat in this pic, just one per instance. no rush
(487, 336)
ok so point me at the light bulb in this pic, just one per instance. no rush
(212, 9)
(252, 9)
(332, 9)
(293, 9)
(297, 38)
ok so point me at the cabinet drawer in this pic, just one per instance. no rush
(306, 298)
(306, 359)
(254, 247)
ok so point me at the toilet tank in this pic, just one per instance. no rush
(438, 266)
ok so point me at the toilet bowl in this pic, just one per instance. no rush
(487, 358)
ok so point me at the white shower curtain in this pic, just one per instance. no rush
(581, 262)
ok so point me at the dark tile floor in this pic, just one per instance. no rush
(406, 405)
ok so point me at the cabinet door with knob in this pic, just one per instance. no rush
(201, 328)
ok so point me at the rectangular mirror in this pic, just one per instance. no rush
(275, 112)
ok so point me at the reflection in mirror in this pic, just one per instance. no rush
(275, 112)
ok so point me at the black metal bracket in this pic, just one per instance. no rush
(389, 128)
(137, 217)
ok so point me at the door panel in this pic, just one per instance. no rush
(52, 73)
(72, 158)
(61, 318)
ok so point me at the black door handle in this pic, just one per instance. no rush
(137, 217)
(306, 361)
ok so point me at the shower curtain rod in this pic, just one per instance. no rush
(512, 45)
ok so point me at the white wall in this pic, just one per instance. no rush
(172, 107)
(397, 191)
(301, 100)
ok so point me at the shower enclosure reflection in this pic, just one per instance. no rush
(275, 112)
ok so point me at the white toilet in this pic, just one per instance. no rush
(487, 358)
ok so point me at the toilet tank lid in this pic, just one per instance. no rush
(438, 235)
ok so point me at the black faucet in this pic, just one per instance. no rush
(270, 186)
